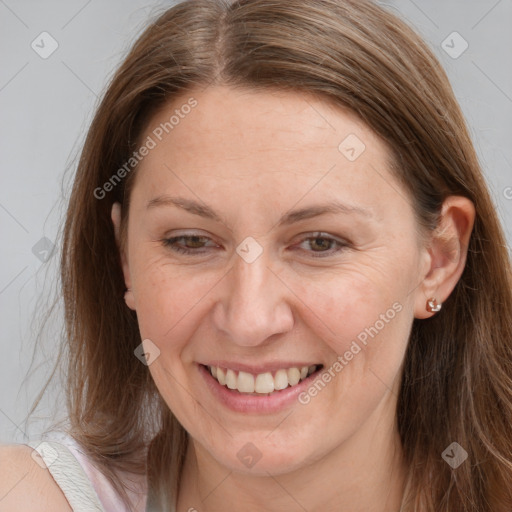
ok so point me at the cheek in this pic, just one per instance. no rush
(342, 305)
(363, 316)
(366, 329)
(169, 300)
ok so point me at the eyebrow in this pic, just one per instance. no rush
(201, 209)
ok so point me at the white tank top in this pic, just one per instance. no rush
(83, 485)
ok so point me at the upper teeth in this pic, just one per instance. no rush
(263, 382)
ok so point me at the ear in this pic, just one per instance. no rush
(446, 254)
(116, 221)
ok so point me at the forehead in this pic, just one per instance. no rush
(261, 120)
(240, 144)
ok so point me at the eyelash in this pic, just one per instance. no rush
(171, 243)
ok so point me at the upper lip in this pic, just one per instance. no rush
(256, 369)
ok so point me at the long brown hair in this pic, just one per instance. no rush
(457, 375)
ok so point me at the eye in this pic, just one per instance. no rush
(190, 244)
(322, 245)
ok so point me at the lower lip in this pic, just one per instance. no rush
(265, 404)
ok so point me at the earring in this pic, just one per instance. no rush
(433, 306)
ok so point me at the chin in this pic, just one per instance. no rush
(258, 456)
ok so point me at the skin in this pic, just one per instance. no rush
(252, 157)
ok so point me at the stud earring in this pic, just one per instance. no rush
(433, 306)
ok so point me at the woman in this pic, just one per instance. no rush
(286, 286)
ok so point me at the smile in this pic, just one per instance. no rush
(262, 384)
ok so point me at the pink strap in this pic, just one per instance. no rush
(111, 501)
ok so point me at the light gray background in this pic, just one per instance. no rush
(47, 104)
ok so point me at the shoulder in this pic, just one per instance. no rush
(25, 484)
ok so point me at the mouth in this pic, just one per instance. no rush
(257, 390)
(261, 384)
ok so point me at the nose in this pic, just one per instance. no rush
(254, 303)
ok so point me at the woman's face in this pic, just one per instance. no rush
(303, 253)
